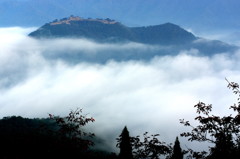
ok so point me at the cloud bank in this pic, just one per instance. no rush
(144, 95)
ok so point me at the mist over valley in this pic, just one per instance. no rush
(138, 65)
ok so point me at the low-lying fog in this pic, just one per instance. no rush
(37, 77)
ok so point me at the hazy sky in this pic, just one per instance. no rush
(146, 96)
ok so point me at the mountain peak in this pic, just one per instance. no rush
(65, 20)
(108, 30)
(72, 18)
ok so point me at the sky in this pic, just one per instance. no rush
(144, 95)
(204, 15)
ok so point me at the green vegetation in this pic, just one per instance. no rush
(64, 137)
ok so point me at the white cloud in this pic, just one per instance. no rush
(147, 96)
(228, 36)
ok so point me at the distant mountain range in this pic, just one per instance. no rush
(111, 31)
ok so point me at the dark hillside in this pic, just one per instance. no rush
(168, 38)
(107, 30)
(23, 138)
(165, 34)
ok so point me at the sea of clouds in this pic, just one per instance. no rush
(145, 95)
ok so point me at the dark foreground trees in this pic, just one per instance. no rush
(223, 132)
(65, 137)
(70, 130)
(22, 138)
(55, 137)
(177, 150)
(124, 143)
(148, 148)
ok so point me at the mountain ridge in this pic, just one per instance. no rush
(107, 30)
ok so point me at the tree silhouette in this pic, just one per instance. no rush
(223, 132)
(71, 137)
(150, 148)
(124, 143)
(177, 151)
(24, 138)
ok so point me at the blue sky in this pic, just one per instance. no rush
(198, 15)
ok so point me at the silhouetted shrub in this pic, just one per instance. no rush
(150, 148)
(55, 137)
(223, 132)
